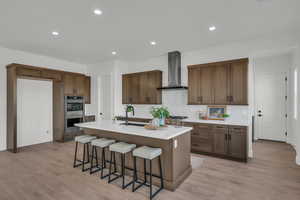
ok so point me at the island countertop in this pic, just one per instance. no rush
(165, 133)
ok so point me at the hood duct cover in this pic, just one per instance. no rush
(174, 71)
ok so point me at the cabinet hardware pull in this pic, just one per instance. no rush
(225, 136)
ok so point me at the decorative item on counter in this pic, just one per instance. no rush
(114, 119)
(160, 113)
(202, 115)
(225, 116)
(216, 112)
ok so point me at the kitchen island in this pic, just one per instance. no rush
(175, 143)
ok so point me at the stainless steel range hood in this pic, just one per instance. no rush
(174, 72)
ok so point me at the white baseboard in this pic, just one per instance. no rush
(298, 159)
(250, 154)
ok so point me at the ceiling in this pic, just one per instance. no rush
(128, 26)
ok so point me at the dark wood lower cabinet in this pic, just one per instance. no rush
(220, 134)
(223, 141)
(219, 140)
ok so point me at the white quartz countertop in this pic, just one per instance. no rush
(164, 133)
(221, 122)
(232, 122)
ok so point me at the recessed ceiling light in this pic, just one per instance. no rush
(114, 53)
(212, 28)
(153, 43)
(97, 12)
(55, 33)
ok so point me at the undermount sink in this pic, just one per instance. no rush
(132, 124)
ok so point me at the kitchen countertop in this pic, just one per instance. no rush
(221, 122)
(165, 133)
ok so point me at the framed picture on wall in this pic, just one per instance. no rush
(216, 112)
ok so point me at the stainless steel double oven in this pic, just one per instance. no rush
(74, 113)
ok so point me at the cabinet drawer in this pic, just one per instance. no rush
(237, 129)
(28, 72)
(200, 144)
(205, 134)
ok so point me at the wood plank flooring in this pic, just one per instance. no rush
(45, 172)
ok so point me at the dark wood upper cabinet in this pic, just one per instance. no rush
(69, 84)
(141, 88)
(200, 86)
(221, 83)
(239, 83)
(194, 86)
(28, 72)
(79, 85)
(50, 74)
(87, 90)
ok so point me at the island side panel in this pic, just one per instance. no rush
(181, 158)
(168, 157)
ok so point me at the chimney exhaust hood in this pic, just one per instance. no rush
(174, 72)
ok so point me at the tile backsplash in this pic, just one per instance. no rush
(176, 101)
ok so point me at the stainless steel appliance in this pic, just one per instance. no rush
(74, 113)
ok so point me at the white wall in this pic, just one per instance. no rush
(8, 56)
(296, 122)
(35, 113)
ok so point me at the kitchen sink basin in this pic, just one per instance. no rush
(132, 124)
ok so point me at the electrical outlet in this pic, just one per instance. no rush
(47, 132)
(175, 143)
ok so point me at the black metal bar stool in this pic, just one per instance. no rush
(147, 153)
(100, 143)
(86, 141)
(122, 148)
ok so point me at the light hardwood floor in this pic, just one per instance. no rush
(45, 172)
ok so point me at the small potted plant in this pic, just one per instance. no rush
(160, 113)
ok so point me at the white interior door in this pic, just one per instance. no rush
(34, 115)
(270, 92)
(105, 97)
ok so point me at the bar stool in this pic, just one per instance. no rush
(147, 153)
(100, 143)
(85, 140)
(122, 148)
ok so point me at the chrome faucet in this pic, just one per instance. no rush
(129, 108)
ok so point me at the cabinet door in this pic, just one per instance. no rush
(239, 83)
(134, 89)
(221, 84)
(206, 85)
(87, 90)
(156, 82)
(79, 85)
(125, 89)
(145, 88)
(201, 138)
(194, 95)
(220, 139)
(69, 87)
(237, 142)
